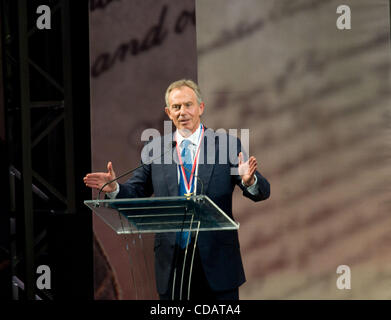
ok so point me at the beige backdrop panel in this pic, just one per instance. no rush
(137, 48)
(317, 102)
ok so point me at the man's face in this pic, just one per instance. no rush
(184, 110)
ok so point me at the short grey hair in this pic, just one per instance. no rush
(184, 83)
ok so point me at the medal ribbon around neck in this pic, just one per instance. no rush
(188, 184)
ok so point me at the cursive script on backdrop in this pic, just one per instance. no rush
(154, 37)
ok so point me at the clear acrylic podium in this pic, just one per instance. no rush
(164, 214)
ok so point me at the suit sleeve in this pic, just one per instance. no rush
(138, 186)
(141, 184)
(262, 185)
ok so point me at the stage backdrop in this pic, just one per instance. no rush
(316, 100)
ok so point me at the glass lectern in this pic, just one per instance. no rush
(164, 214)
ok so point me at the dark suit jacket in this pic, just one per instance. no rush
(219, 250)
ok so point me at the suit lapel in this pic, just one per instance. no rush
(171, 172)
(204, 169)
(171, 175)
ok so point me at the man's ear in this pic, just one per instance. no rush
(202, 107)
(167, 110)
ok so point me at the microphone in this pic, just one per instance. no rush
(173, 144)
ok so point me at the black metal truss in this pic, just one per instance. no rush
(39, 109)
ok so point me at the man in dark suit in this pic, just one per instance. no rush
(218, 270)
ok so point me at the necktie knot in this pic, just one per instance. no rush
(186, 153)
(185, 143)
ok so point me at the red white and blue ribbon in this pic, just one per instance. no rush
(188, 184)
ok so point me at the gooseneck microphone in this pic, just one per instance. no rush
(173, 144)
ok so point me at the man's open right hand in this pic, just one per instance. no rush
(96, 180)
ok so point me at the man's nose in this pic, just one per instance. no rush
(182, 110)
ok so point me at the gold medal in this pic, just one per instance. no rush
(188, 195)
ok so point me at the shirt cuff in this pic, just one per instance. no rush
(253, 188)
(113, 195)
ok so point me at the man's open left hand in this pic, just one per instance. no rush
(247, 169)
